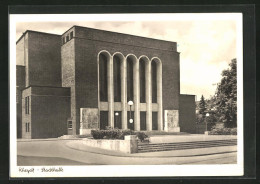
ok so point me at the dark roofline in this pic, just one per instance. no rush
(68, 30)
(118, 33)
(20, 66)
(35, 32)
(46, 87)
(187, 95)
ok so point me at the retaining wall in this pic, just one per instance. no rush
(128, 145)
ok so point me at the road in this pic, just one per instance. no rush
(55, 152)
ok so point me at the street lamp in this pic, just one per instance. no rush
(207, 115)
(116, 114)
(130, 103)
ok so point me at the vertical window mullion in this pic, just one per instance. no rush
(103, 88)
(25, 105)
(154, 82)
(28, 105)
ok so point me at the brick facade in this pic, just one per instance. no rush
(20, 85)
(49, 110)
(187, 113)
(70, 62)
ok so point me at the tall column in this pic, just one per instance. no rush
(124, 94)
(136, 96)
(110, 92)
(159, 96)
(148, 94)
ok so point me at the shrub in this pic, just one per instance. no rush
(111, 133)
(115, 133)
(223, 131)
(122, 133)
(97, 134)
(141, 136)
(233, 131)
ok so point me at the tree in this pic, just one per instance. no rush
(226, 96)
(202, 106)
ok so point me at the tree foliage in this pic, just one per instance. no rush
(222, 107)
(200, 117)
(202, 106)
(226, 96)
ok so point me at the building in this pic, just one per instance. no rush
(85, 78)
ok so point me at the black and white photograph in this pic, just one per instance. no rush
(112, 95)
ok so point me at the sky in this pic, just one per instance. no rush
(206, 46)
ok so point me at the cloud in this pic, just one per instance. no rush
(206, 47)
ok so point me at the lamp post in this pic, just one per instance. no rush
(130, 103)
(207, 115)
(116, 114)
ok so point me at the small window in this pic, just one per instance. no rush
(63, 40)
(67, 38)
(71, 34)
(27, 104)
(27, 127)
(69, 124)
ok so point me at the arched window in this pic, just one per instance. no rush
(117, 78)
(103, 64)
(154, 81)
(142, 80)
(130, 78)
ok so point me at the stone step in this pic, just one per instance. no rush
(184, 145)
(192, 142)
(156, 132)
(159, 146)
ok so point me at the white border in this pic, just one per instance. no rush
(129, 170)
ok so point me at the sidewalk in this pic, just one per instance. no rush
(48, 139)
(78, 145)
(189, 138)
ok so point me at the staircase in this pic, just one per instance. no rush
(146, 147)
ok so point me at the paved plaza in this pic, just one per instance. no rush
(74, 152)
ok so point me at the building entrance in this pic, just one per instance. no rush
(117, 120)
(130, 126)
(103, 120)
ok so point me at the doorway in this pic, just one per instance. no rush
(103, 120)
(117, 119)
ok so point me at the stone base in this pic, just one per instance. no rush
(129, 145)
(89, 120)
(175, 129)
(84, 131)
(171, 121)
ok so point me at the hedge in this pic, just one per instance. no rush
(223, 131)
(114, 133)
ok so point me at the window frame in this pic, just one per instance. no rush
(70, 125)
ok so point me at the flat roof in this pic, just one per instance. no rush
(35, 32)
(116, 33)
